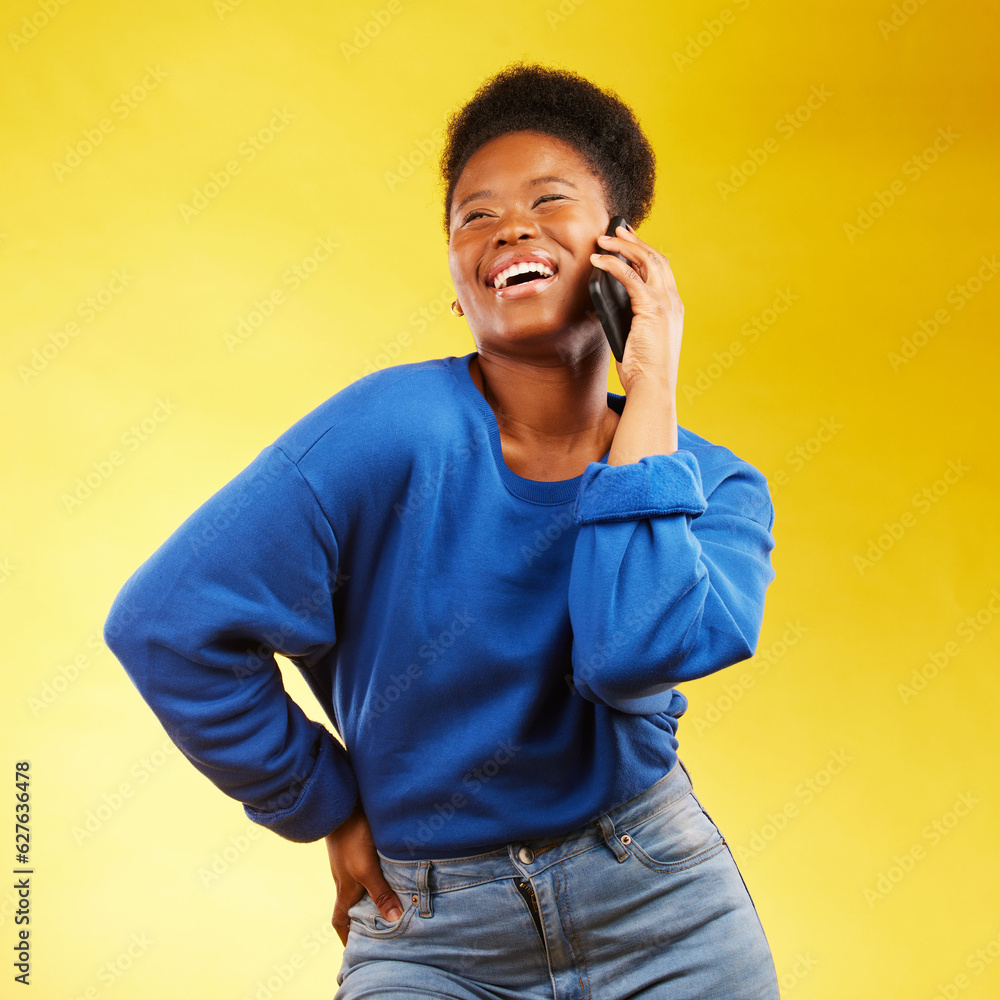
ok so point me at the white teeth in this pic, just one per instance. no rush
(500, 281)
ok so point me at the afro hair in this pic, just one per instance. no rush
(560, 103)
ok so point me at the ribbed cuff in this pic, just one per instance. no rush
(325, 799)
(653, 486)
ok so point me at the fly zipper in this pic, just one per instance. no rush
(526, 890)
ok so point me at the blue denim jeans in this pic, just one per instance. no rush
(645, 901)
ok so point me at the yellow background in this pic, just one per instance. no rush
(203, 79)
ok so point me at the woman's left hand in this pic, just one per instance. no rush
(653, 348)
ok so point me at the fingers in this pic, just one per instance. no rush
(341, 920)
(627, 272)
(647, 271)
(647, 262)
(384, 897)
(342, 927)
(356, 869)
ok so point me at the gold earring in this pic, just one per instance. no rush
(453, 312)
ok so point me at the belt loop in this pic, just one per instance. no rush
(610, 837)
(423, 886)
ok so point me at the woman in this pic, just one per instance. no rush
(492, 572)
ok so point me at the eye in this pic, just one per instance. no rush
(546, 197)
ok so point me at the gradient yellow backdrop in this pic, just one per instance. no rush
(827, 197)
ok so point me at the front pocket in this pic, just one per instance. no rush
(679, 836)
(367, 919)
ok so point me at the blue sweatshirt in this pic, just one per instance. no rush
(497, 654)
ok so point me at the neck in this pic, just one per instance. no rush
(557, 406)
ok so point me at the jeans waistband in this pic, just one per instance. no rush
(422, 877)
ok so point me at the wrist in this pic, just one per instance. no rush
(653, 387)
(648, 424)
(356, 814)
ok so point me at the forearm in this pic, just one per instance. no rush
(669, 573)
(648, 424)
(196, 628)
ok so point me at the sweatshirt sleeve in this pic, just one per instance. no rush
(248, 574)
(666, 584)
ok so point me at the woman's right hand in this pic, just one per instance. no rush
(356, 869)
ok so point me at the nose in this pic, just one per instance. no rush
(515, 225)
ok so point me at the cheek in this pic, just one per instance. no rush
(462, 268)
(582, 234)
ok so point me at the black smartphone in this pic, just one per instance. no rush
(611, 300)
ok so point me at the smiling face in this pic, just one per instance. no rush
(526, 195)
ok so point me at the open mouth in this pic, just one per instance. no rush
(520, 280)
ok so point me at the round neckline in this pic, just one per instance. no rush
(534, 490)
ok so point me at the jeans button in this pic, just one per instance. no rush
(526, 855)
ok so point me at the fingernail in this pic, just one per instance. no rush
(395, 913)
(596, 256)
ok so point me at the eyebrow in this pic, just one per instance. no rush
(489, 194)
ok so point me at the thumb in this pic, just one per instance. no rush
(384, 897)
